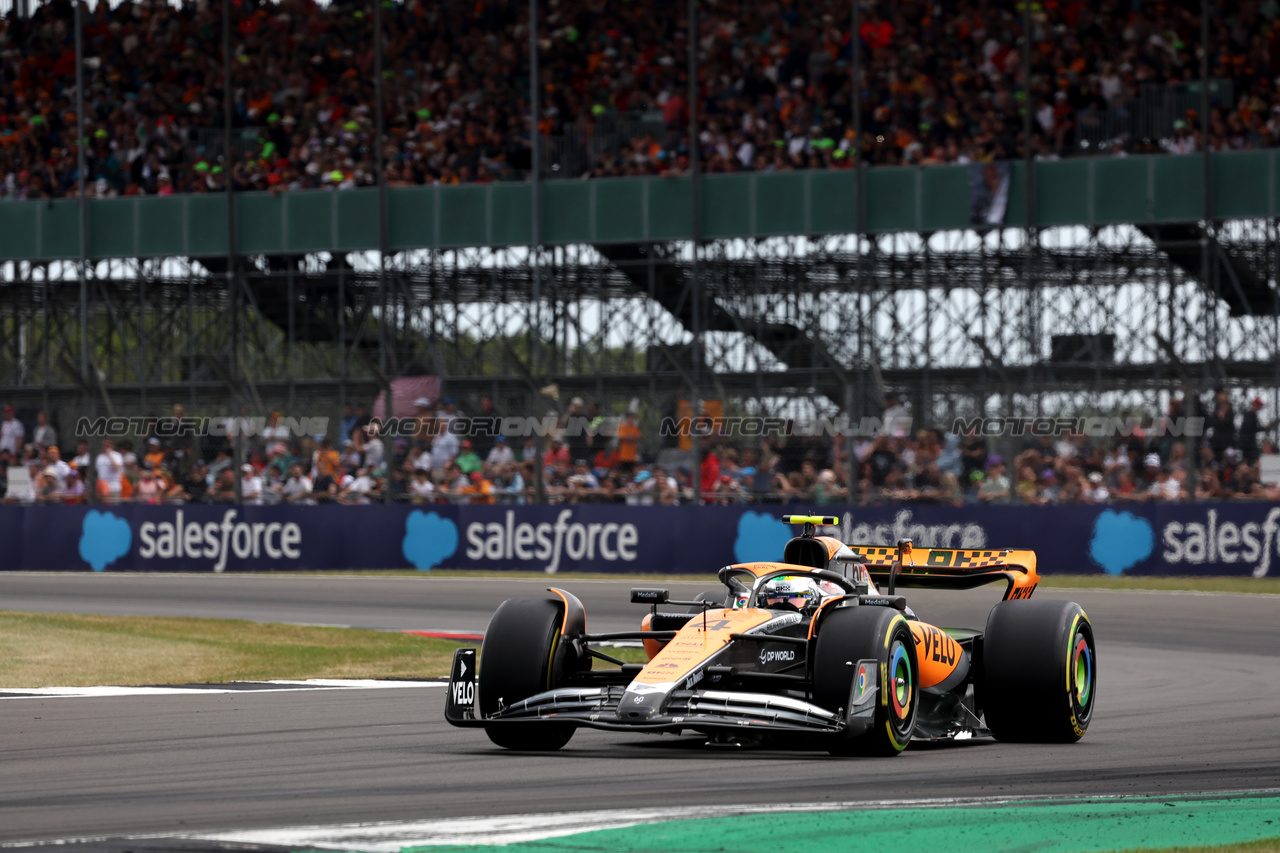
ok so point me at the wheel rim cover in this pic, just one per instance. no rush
(1082, 670)
(902, 681)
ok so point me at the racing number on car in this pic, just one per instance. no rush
(953, 559)
(962, 559)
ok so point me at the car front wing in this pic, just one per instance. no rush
(598, 707)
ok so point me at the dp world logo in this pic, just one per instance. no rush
(104, 538)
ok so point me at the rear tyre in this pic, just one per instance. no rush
(520, 657)
(851, 634)
(1040, 671)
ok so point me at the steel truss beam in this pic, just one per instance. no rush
(962, 322)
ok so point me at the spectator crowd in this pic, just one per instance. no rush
(591, 457)
(944, 82)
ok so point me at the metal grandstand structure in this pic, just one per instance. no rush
(1064, 320)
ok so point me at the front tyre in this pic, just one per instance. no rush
(522, 656)
(848, 635)
(1040, 671)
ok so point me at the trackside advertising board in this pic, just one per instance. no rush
(1211, 538)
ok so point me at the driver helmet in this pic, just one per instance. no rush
(793, 592)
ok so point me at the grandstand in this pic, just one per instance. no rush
(1096, 236)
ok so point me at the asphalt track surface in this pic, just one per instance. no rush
(1189, 698)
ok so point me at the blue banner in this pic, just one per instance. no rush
(1152, 539)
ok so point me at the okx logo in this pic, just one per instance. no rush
(104, 538)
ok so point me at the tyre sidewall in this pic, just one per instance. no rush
(519, 655)
(1028, 689)
(848, 635)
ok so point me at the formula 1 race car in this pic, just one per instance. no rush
(809, 644)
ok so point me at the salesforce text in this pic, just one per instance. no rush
(214, 541)
(577, 541)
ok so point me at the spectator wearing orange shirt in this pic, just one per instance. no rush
(478, 490)
(629, 435)
(325, 463)
(154, 456)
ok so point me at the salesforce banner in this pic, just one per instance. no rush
(1217, 538)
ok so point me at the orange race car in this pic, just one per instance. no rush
(807, 644)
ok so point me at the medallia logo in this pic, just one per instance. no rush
(104, 538)
(429, 540)
(1120, 541)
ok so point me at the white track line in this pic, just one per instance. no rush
(278, 687)
(391, 837)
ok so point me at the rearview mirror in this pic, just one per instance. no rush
(649, 596)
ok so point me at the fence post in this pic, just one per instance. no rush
(695, 205)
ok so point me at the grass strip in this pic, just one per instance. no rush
(71, 650)
(558, 578)
(1176, 583)
(74, 650)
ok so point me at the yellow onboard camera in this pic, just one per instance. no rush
(810, 522)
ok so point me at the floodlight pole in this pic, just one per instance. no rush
(1207, 245)
(696, 208)
(855, 106)
(535, 242)
(379, 167)
(82, 208)
(1031, 236)
(232, 286)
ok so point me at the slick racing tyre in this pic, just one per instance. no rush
(1039, 677)
(522, 656)
(851, 634)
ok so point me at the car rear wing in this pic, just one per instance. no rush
(950, 568)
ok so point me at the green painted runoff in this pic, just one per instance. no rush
(1076, 827)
